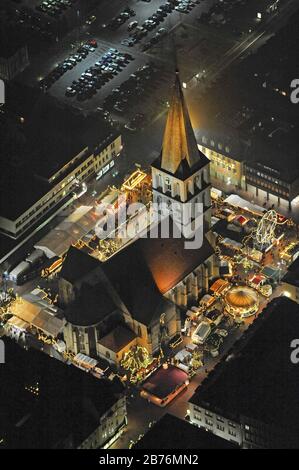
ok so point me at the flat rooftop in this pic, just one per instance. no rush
(165, 381)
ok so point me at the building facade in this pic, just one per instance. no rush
(226, 157)
(242, 403)
(111, 425)
(13, 63)
(271, 184)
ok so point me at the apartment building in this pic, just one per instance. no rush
(226, 154)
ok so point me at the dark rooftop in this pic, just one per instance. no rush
(183, 171)
(131, 279)
(68, 403)
(171, 432)
(77, 265)
(259, 381)
(146, 269)
(91, 306)
(11, 39)
(292, 275)
(169, 261)
(118, 338)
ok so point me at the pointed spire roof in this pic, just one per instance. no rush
(179, 149)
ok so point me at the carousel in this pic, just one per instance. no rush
(241, 301)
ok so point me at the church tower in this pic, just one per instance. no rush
(181, 174)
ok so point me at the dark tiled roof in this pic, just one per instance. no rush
(134, 284)
(118, 338)
(77, 265)
(141, 273)
(169, 261)
(183, 171)
(91, 306)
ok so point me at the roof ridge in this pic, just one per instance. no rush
(179, 142)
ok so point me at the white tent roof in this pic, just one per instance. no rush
(68, 232)
(36, 315)
(237, 201)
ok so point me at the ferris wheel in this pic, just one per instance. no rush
(265, 232)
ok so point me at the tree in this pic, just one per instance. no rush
(136, 359)
(196, 360)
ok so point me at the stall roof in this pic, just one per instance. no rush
(18, 323)
(37, 316)
(68, 232)
(85, 360)
(237, 201)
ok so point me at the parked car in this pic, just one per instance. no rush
(132, 25)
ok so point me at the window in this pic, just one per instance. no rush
(168, 184)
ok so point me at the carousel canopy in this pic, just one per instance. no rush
(241, 298)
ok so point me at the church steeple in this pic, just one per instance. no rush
(179, 148)
(181, 173)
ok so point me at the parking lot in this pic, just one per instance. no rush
(150, 33)
(83, 74)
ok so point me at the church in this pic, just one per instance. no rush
(138, 295)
